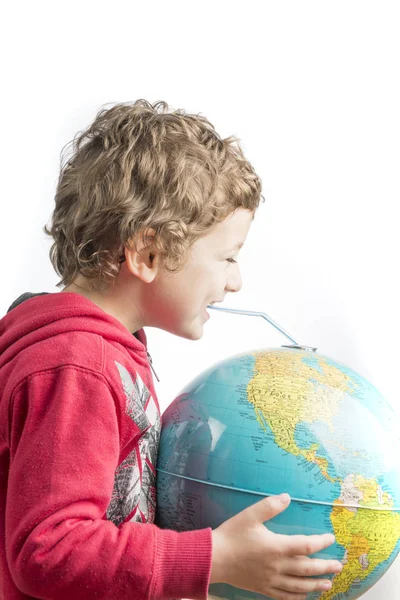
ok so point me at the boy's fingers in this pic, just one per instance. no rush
(267, 509)
(304, 545)
(302, 566)
(280, 595)
(304, 585)
(264, 510)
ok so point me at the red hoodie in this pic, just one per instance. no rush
(79, 432)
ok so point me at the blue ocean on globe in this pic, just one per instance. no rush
(287, 420)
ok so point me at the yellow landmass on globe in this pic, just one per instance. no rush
(369, 536)
(311, 456)
(286, 391)
(372, 494)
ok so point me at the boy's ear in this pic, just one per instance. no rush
(143, 261)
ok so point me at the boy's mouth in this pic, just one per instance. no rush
(215, 302)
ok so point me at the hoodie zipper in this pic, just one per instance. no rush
(151, 365)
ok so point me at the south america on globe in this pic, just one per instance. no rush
(287, 420)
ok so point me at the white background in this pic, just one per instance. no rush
(311, 89)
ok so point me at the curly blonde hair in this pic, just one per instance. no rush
(141, 166)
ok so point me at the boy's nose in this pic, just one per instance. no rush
(234, 282)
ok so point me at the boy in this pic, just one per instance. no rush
(150, 212)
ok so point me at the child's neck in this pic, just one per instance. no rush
(112, 300)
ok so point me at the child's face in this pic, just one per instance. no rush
(176, 302)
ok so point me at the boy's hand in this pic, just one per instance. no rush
(249, 556)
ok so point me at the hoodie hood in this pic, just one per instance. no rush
(35, 317)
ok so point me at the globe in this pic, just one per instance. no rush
(287, 420)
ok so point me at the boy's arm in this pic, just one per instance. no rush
(64, 442)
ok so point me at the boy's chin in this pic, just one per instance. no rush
(195, 336)
(193, 332)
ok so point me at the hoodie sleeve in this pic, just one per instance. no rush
(64, 442)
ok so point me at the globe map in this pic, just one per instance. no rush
(287, 420)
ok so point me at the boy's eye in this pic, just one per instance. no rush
(231, 260)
